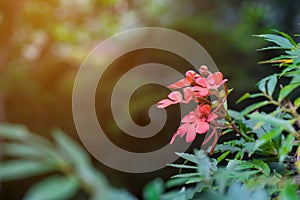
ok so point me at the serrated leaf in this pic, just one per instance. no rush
(252, 125)
(261, 165)
(279, 40)
(53, 188)
(20, 169)
(189, 157)
(286, 90)
(253, 107)
(226, 147)
(269, 136)
(264, 118)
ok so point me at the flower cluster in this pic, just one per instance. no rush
(196, 87)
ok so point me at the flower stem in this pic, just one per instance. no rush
(230, 121)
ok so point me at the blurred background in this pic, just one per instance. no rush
(42, 44)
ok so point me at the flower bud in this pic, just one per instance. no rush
(203, 70)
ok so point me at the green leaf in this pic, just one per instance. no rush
(268, 136)
(20, 169)
(259, 130)
(270, 48)
(287, 36)
(79, 158)
(226, 147)
(264, 118)
(176, 182)
(288, 69)
(289, 191)
(114, 194)
(223, 156)
(182, 166)
(13, 132)
(189, 157)
(253, 107)
(267, 84)
(286, 147)
(154, 189)
(71, 150)
(297, 102)
(271, 84)
(21, 150)
(53, 188)
(261, 165)
(247, 96)
(255, 164)
(234, 114)
(185, 175)
(237, 191)
(279, 40)
(286, 90)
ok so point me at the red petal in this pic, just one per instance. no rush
(173, 138)
(175, 96)
(202, 127)
(191, 117)
(179, 84)
(188, 94)
(191, 134)
(189, 76)
(164, 103)
(218, 77)
(205, 109)
(202, 82)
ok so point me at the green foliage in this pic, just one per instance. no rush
(261, 163)
(26, 154)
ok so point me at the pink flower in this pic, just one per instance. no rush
(200, 91)
(190, 76)
(213, 81)
(175, 97)
(196, 87)
(194, 123)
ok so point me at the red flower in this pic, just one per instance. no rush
(195, 122)
(196, 87)
(213, 81)
(190, 76)
(175, 97)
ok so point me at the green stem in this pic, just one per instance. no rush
(230, 121)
